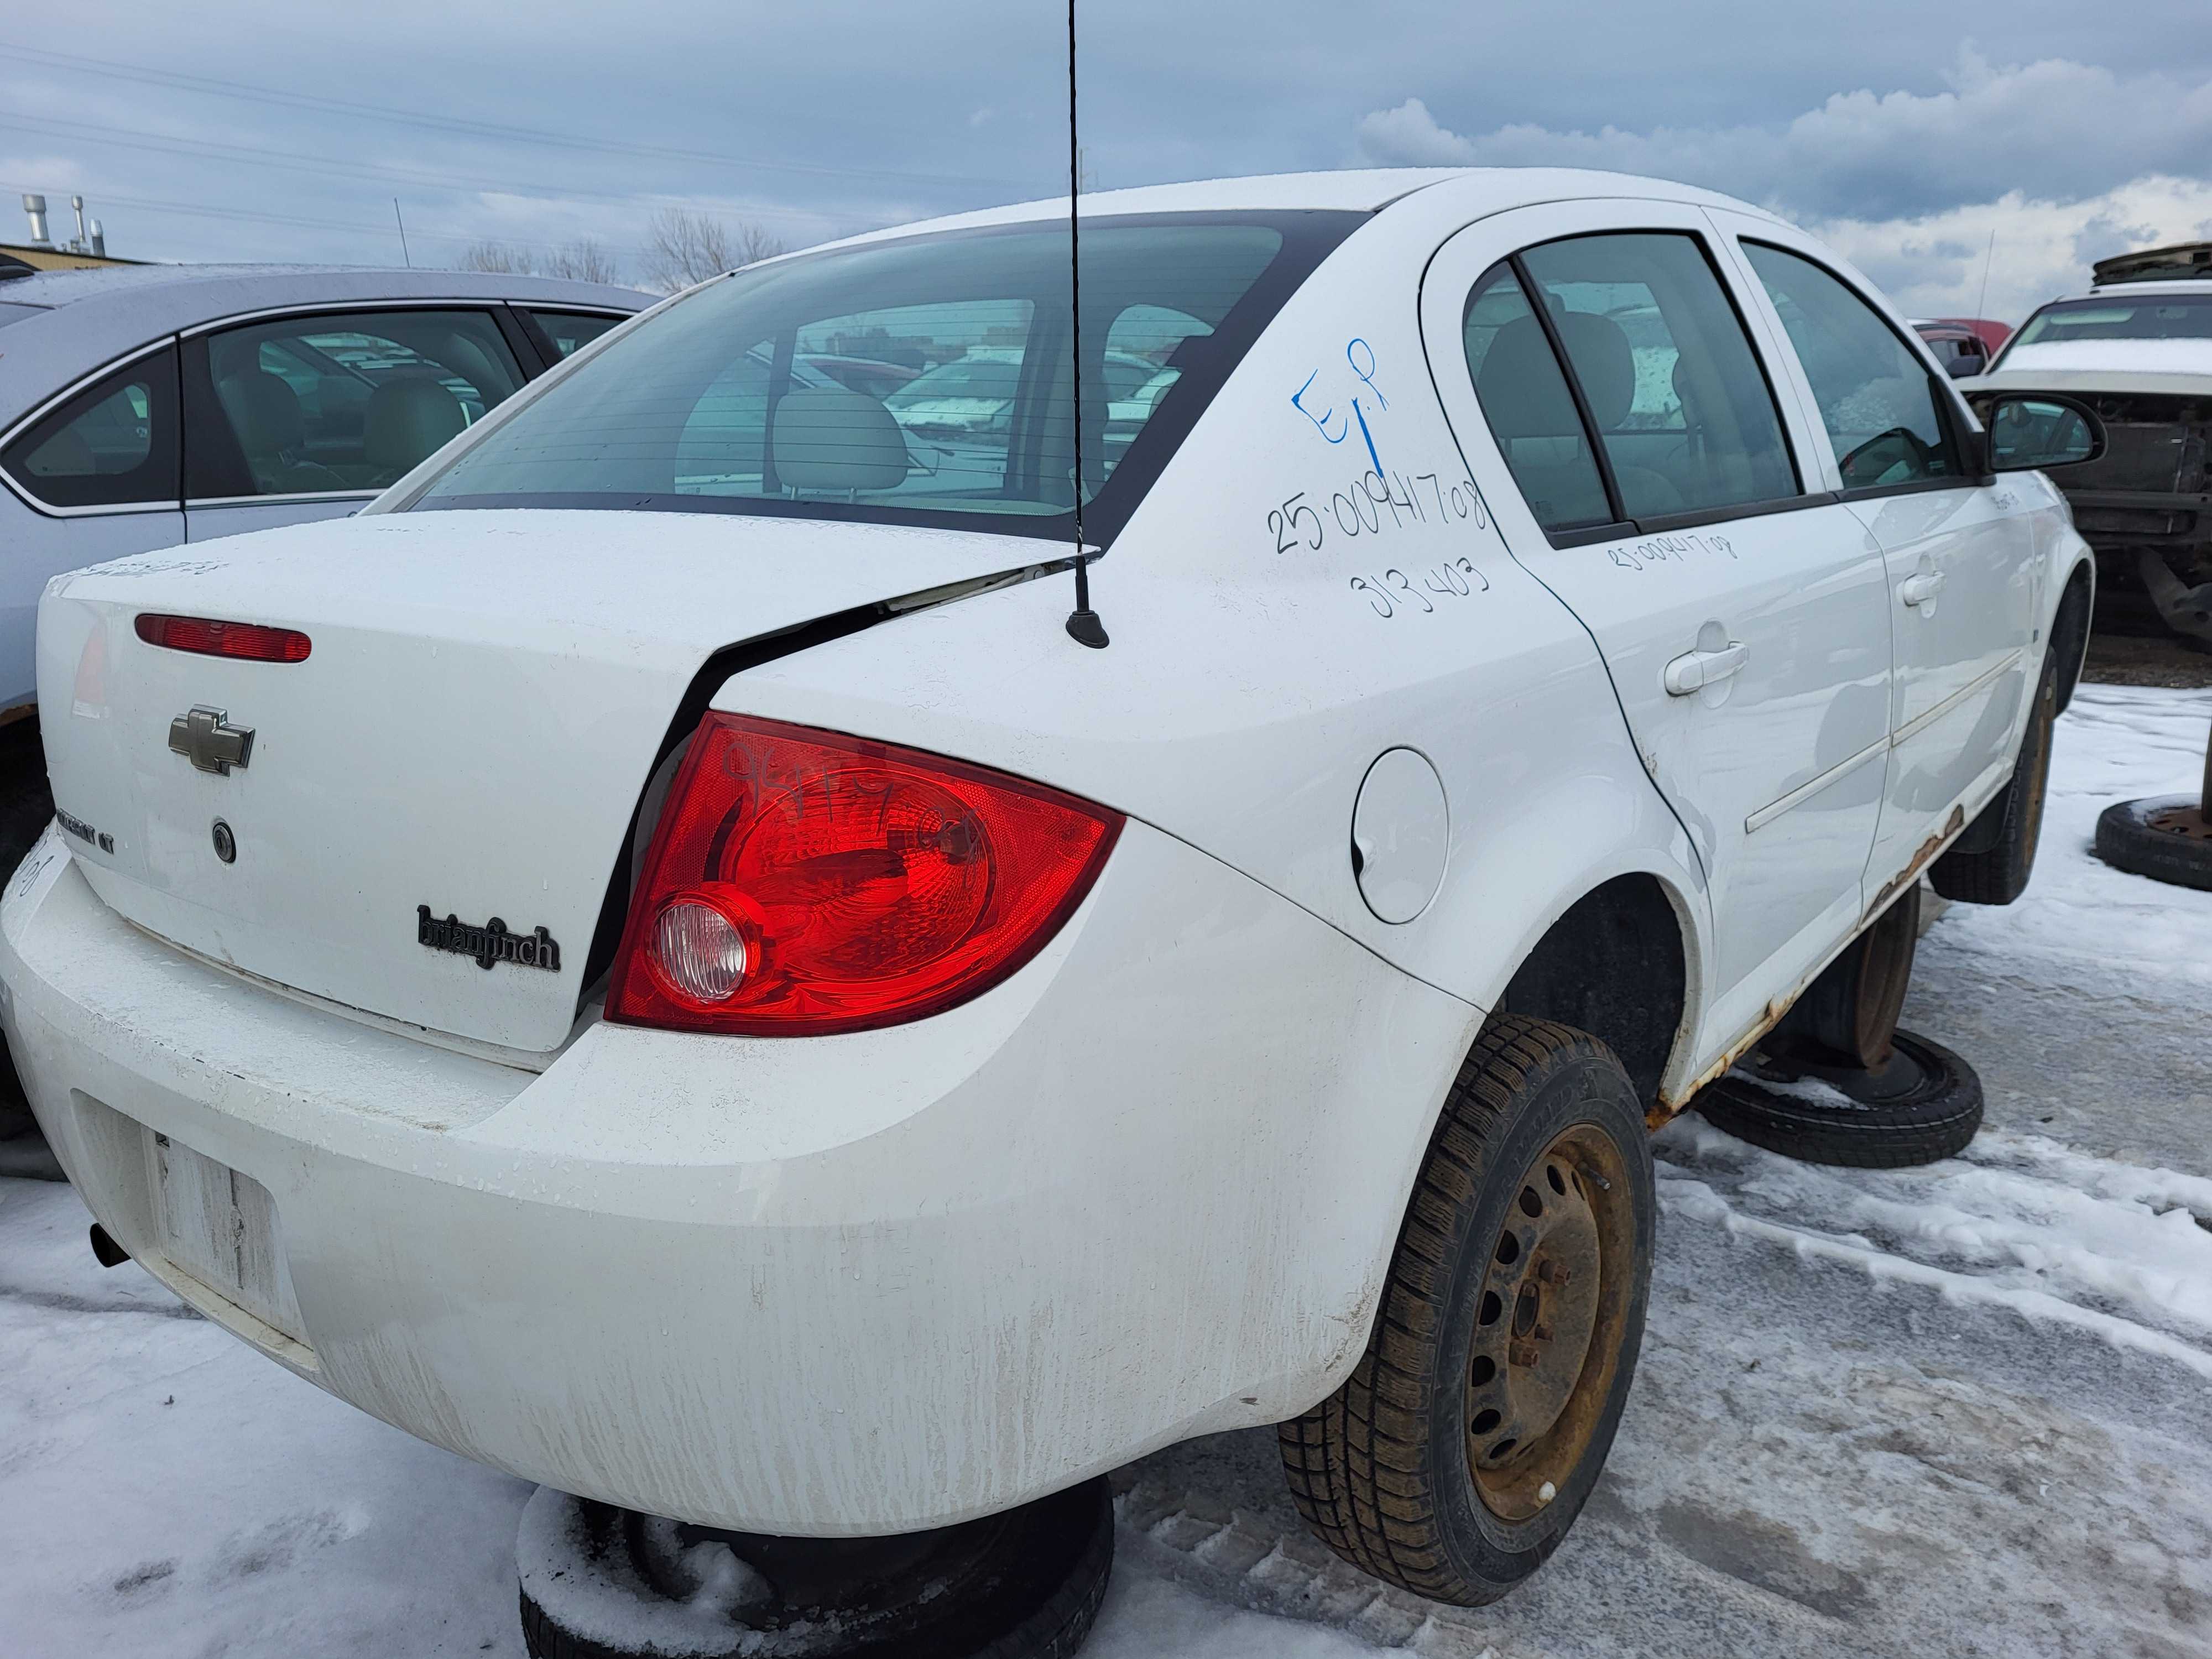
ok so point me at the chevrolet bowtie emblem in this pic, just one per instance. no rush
(208, 739)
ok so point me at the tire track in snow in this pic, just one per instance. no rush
(2018, 1221)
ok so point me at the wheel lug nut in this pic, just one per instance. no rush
(1553, 1272)
(1543, 1333)
(1522, 1353)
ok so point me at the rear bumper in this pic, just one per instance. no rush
(840, 1285)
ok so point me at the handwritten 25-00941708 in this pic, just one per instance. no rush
(1359, 511)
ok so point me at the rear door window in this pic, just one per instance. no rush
(337, 403)
(1668, 376)
(567, 330)
(1529, 407)
(1880, 405)
(112, 445)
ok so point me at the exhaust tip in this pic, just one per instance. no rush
(106, 1250)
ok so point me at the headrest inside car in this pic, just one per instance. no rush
(408, 416)
(828, 438)
(265, 410)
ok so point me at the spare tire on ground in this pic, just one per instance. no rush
(1922, 1104)
(603, 1583)
(2167, 838)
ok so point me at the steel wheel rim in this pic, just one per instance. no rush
(1549, 1323)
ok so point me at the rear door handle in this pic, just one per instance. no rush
(1694, 670)
(1921, 588)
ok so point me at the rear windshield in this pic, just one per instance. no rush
(2153, 317)
(925, 380)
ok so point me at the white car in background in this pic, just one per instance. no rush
(650, 958)
(2136, 348)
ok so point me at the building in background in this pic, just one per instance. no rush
(87, 250)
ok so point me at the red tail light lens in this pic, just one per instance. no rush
(801, 883)
(247, 641)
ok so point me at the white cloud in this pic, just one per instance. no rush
(1408, 137)
(1932, 265)
(2065, 161)
(2055, 129)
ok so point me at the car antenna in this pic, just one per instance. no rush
(1083, 624)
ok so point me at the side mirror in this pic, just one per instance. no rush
(1964, 369)
(2038, 431)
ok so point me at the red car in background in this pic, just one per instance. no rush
(1965, 344)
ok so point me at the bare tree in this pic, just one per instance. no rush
(684, 247)
(500, 258)
(585, 260)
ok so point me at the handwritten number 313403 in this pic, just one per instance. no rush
(1395, 591)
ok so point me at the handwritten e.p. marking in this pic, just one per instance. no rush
(1353, 349)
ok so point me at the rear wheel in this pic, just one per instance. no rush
(1456, 1455)
(1991, 862)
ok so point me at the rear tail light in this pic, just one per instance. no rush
(801, 882)
(247, 641)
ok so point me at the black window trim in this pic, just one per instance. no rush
(85, 383)
(1668, 523)
(195, 384)
(530, 355)
(1950, 407)
(1534, 297)
(1309, 236)
(541, 339)
(1623, 526)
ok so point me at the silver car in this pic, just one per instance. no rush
(146, 406)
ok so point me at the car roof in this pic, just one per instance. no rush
(1351, 190)
(2198, 285)
(2125, 291)
(94, 317)
(195, 284)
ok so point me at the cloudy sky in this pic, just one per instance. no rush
(1907, 131)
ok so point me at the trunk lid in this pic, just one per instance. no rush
(482, 705)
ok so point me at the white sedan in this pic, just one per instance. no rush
(650, 958)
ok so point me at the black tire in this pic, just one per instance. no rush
(1991, 864)
(2070, 637)
(2128, 839)
(26, 800)
(1924, 1105)
(1848, 1012)
(1390, 1471)
(1029, 1586)
(26, 807)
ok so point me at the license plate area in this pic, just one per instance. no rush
(219, 1227)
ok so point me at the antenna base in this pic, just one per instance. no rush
(1085, 629)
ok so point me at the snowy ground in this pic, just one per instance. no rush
(1963, 1410)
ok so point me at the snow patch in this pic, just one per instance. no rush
(2018, 1221)
(597, 1594)
(1813, 1091)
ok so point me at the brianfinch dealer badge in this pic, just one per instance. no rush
(488, 944)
